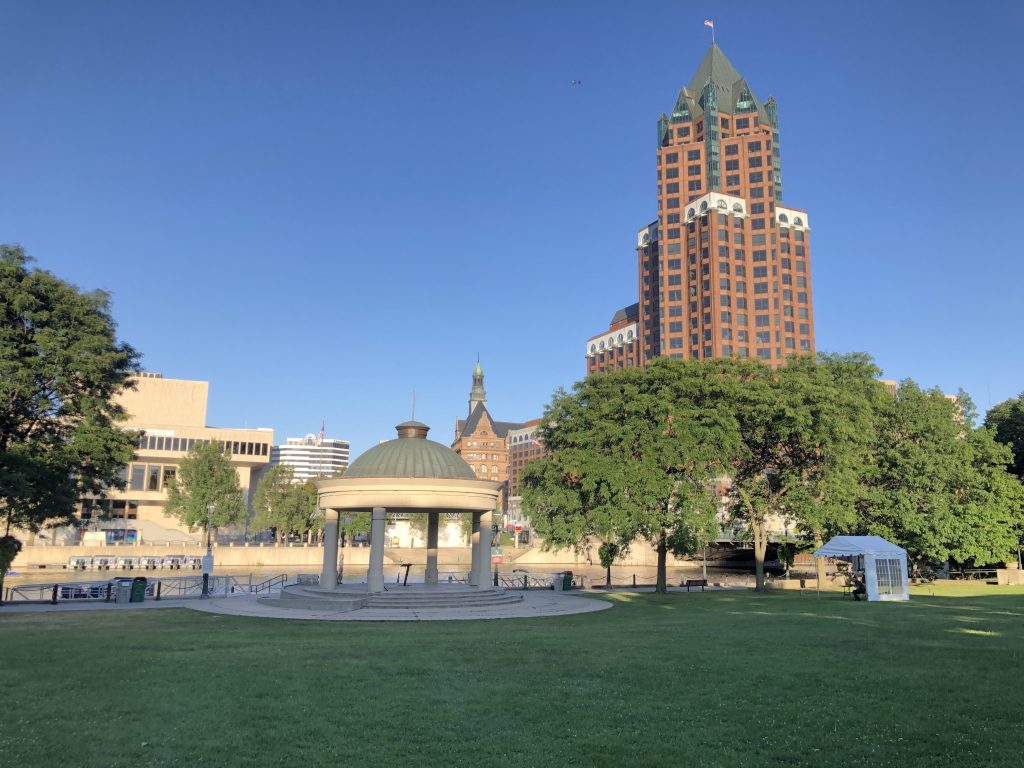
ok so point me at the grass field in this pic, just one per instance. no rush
(712, 679)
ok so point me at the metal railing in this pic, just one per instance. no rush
(274, 582)
(53, 593)
(172, 587)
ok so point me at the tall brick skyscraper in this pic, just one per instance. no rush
(724, 271)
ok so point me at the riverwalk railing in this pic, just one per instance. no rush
(164, 588)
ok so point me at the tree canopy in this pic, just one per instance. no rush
(205, 476)
(1007, 419)
(633, 454)
(61, 366)
(806, 430)
(939, 487)
(283, 504)
(817, 443)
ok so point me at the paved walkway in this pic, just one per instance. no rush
(92, 605)
(534, 604)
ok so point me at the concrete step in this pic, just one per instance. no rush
(442, 601)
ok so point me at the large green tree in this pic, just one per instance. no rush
(633, 454)
(61, 367)
(205, 476)
(1007, 419)
(940, 486)
(836, 401)
(282, 504)
(9, 549)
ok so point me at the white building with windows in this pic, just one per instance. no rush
(311, 457)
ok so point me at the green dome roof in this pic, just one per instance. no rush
(411, 455)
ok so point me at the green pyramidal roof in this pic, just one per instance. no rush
(734, 95)
(411, 455)
(714, 66)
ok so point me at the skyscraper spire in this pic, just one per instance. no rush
(477, 393)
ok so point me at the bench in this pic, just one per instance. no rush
(694, 583)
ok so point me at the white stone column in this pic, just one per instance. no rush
(329, 575)
(483, 558)
(432, 526)
(375, 574)
(474, 550)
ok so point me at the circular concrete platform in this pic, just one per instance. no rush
(354, 597)
(532, 605)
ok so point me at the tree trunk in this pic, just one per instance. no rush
(819, 562)
(662, 586)
(760, 546)
(277, 535)
(608, 579)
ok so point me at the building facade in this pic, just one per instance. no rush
(619, 346)
(311, 456)
(171, 414)
(725, 270)
(481, 440)
(524, 445)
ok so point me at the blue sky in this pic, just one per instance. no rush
(320, 207)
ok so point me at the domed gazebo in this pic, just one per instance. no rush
(408, 474)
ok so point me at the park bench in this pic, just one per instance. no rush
(688, 583)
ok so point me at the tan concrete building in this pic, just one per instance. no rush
(171, 413)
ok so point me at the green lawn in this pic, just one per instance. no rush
(713, 679)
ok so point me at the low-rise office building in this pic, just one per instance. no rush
(311, 456)
(171, 414)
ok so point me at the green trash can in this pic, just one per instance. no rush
(138, 589)
(567, 580)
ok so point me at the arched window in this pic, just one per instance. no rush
(620, 338)
(703, 206)
(798, 221)
(483, 468)
(691, 213)
(783, 218)
(737, 208)
(494, 469)
(722, 204)
(602, 345)
(629, 335)
(593, 347)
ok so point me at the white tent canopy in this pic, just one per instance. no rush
(884, 564)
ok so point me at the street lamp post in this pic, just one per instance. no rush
(208, 558)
